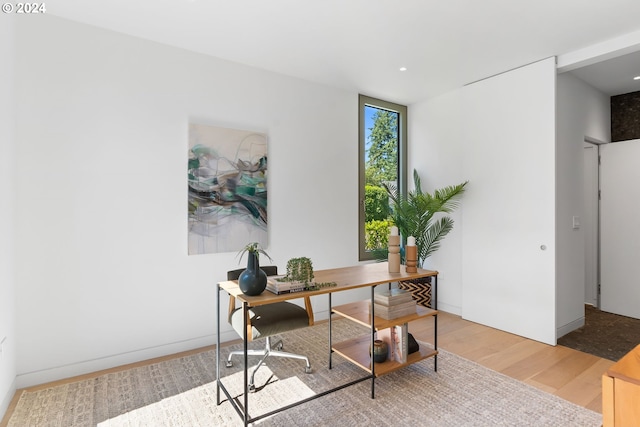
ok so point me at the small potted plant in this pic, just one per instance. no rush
(253, 280)
(300, 276)
(299, 270)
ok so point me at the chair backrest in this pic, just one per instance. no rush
(270, 270)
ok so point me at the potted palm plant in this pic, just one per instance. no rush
(415, 215)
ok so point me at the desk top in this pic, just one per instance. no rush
(628, 367)
(357, 276)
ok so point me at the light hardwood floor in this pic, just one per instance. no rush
(567, 373)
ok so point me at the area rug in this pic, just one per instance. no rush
(605, 335)
(182, 392)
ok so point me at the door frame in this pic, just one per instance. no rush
(594, 288)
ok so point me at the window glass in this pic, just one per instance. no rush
(382, 161)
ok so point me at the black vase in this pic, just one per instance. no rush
(253, 280)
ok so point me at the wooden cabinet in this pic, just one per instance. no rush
(621, 392)
(357, 350)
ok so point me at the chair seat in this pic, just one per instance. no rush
(271, 319)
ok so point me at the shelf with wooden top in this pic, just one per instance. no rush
(356, 350)
(359, 312)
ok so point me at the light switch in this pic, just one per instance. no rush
(576, 222)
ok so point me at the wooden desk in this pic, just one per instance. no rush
(621, 392)
(360, 276)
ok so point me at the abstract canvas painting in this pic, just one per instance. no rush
(227, 177)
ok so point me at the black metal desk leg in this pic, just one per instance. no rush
(245, 313)
(218, 345)
(330, 342)
(434, 298)
(373, 331)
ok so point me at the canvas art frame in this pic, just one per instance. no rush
(227, 189)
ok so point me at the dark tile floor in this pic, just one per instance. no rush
(606, 335)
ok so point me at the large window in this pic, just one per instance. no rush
(383, 154)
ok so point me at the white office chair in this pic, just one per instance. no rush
(267, 320)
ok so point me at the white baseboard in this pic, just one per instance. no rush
(6, 400)
(569, 327)
(30, 379)
(44, 376)
(453, 309)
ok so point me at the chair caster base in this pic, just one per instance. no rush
(308, 370)
(229, 364)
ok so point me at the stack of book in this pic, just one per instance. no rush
(276, 286)
(393, 303)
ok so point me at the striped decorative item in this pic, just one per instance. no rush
(420, 290)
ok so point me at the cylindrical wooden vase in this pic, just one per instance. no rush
(411, 255)
(394, 254)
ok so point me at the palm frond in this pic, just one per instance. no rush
(416, 182)
(450, 196)
(433, 237)
(392, 191)
(413, 213)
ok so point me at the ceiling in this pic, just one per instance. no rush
(614, 76)
(360, 45)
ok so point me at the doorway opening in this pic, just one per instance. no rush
(591, 220)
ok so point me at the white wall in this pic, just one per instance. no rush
(581, 111)
(435, 151)
(7, 279)
(102, 267)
